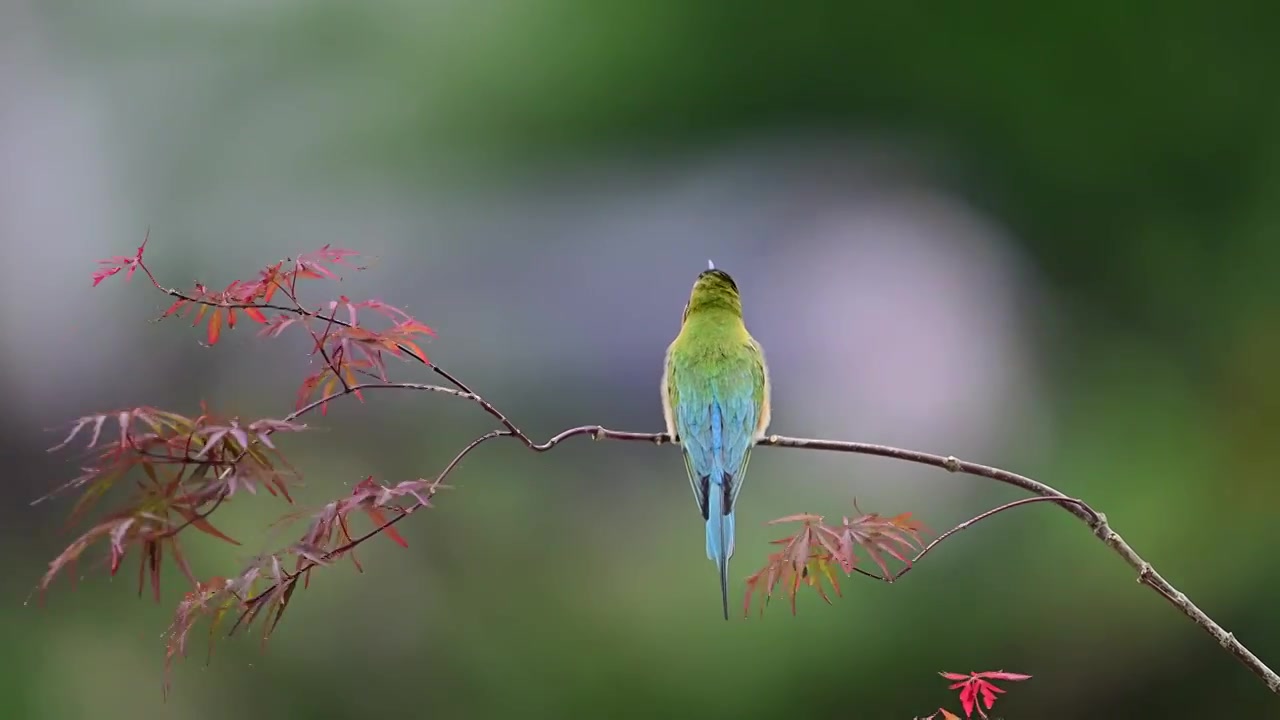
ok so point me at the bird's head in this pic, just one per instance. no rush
(714, 290)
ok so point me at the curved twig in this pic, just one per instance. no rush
(973, 521)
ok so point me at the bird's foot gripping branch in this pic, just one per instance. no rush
(168, 473)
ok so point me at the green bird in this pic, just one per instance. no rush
(715, 400)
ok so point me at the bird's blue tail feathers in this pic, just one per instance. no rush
(720, 539)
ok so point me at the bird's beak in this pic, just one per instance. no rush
(711, 265)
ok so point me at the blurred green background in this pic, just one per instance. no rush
(1038, 236)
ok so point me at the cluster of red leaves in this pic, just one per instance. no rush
(976, 691)
(251, 297)
(350, 349)
(186, 467)
(190, 466)
(329, 532)
(265, 587)
(818, 549)
(116, 263)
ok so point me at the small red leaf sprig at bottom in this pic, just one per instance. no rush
(976, 689)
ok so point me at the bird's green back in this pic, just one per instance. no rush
(714, 358)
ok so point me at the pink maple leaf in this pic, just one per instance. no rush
(977, 685)
(116, 263)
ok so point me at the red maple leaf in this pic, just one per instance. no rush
(116, 263)
(977, 685)
(818, 550)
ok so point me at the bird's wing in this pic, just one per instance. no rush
(690, 417)
(670, 396)
(760, 376)
(740, 396)
(744, 406)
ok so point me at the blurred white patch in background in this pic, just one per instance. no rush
(905, 314)
(910, 333)
(57, 196)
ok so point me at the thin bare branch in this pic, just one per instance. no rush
(351, 390)
(966, 525)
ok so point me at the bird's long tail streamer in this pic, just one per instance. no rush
(720, 541)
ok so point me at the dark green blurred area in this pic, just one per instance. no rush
(1132, 152)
